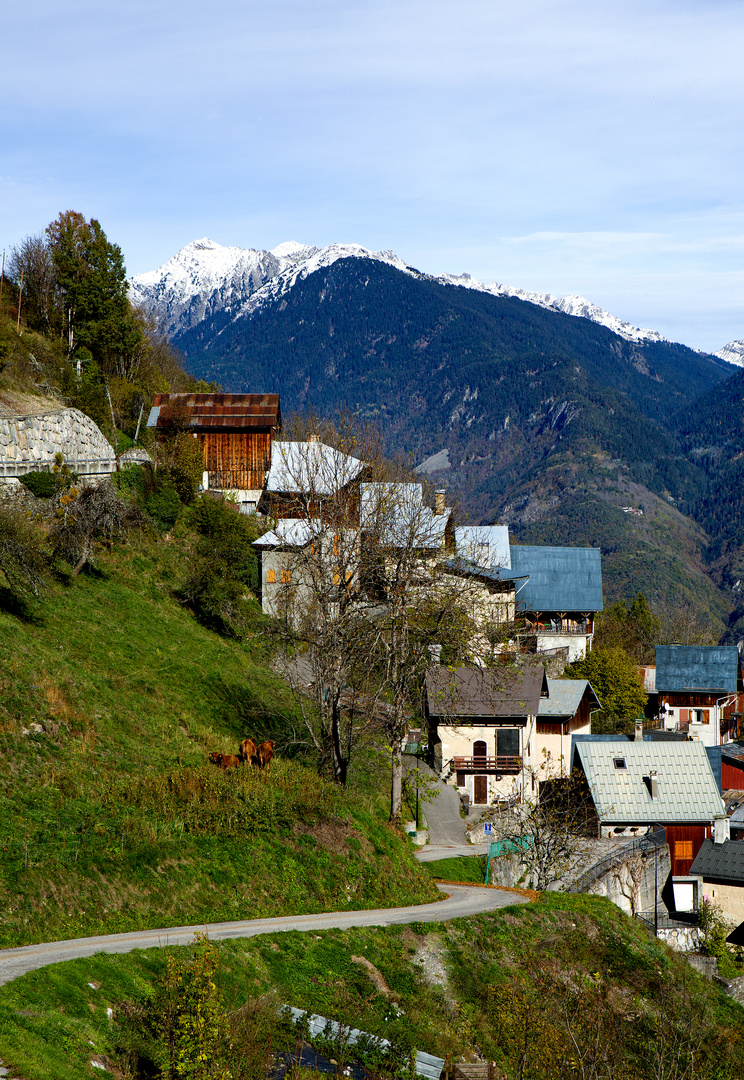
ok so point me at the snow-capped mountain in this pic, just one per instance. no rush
(733, 353)
(205, 278)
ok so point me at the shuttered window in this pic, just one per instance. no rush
(271, 577)
(683, 849)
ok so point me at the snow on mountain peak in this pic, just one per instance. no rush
(205, 278)
(733, 353)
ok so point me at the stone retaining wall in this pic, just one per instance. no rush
(29, 443)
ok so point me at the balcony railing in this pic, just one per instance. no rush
(501, 764)
(558, 628)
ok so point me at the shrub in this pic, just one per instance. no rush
(40, 484)
(23, 555)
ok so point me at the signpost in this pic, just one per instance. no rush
(488, 830)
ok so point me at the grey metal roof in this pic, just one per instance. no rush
(486, 545)
(723, 862)
(466, 567)
(396, 515)
(426, 1064)
(484, 692)
(560, 578)
(687, 790)
(290, 532)
(697, 667)
(565, 696)
(310, 468)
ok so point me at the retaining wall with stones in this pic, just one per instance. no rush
(29, 443)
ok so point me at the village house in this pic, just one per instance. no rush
(699, 690)
(482, 728)
(561, 594)
(635, 786)
(236, 432)
(721, 867)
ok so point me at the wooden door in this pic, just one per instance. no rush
(480, 753)
(480, 790)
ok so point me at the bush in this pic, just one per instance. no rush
(163, 505)
(23, 554)
(40, 484)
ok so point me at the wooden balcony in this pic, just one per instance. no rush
(558, 629)
(501, 764)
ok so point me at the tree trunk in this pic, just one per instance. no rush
(396, 788)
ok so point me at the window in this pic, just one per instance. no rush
(461, 779)
(619, 763)
(683, 849)
(271, 577)
(286, 577)
(507, 742)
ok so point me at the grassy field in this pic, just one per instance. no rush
(111, 817)
(546, 985)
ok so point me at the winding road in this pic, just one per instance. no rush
(460, 901)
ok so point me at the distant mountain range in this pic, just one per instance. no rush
(204, 278)
(548, 414)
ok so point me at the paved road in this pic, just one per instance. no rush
(447, 837)
(461, 900)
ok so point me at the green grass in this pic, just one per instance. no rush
(52, 1022)
(112, 818)
(464, 868)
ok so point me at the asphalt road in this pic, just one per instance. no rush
(461, 900)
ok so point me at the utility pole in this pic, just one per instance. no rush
(20, 299)
(2, 277)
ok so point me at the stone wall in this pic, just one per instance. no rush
(630, 885)
(29, 443)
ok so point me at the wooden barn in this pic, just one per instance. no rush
(236, 432)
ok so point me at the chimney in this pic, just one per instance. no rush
(440, 498)
(435, 652)
(721, 830)
(313, 438)
(653, 784)
(638, 737)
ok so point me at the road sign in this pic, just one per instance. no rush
(488, 828)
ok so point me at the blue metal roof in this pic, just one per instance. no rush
(697, 667)
(560, 578)
(565, 697)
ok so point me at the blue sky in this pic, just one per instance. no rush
(580, 146)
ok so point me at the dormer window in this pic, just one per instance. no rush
(619, 763)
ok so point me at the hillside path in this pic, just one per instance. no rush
(460, 901)
(447, 837)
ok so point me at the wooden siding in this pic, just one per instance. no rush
(684, 842)
(732, 775)
(237, 459)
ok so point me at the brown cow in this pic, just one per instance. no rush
(224, 761)
(248, 750)
(265, 753)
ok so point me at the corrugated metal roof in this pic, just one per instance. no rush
(426, 1064)
(469, 692)
(289, 532)
(560, 578)
(485, 545)
(397, 516)
(217, 412)
(697, 667)
(484, 573)
(687, 790)
(723, 862)
(565, 697)
(310, 468)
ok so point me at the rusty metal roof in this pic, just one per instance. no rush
(217, 412)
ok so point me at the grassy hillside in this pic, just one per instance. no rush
(553, 989)
(111, 817)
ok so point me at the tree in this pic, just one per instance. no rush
(91, 277)
(617, 683)
(363, 597)
(86, 517)
(32, 260)
(632, 627)
(23, 557)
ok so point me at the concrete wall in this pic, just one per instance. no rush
(631, 885)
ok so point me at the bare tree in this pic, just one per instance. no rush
(32, 259)
(86, 517)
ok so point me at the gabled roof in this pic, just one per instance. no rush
(466, 693)
(698, 667)
(216, 412)
(485, 545)
(310, 468)
(687, 790)
(565, 697)
(560, 578)
(724, 862)
(398, 518)
(289, 532)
